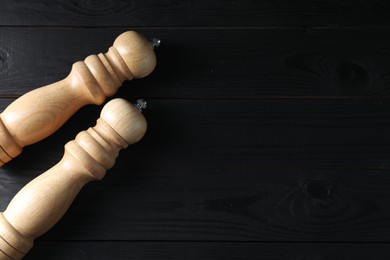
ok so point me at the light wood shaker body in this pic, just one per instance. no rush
(43, 201)
(39, 113)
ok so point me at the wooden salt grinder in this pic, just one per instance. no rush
(40, 112)
(43, 201)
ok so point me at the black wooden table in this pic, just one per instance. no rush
(268, 135)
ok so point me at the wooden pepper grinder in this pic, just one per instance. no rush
(43, 201)
(40, 112)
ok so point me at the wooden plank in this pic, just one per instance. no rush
(235, 133)
(195, 13)
(239, 170)
(206, 250)
(213, 63)
(228, 204)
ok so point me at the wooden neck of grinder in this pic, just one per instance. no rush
(41, 112)
(43, 201)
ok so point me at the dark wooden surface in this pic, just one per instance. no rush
(268, 133)
(213, 63)
(188, 13)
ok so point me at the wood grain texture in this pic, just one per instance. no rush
(234, 133)
(228, 205)
(194, 13)
(237, 170)
(206, 250)
(232, 205)
(257, 146)
(203, 63)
